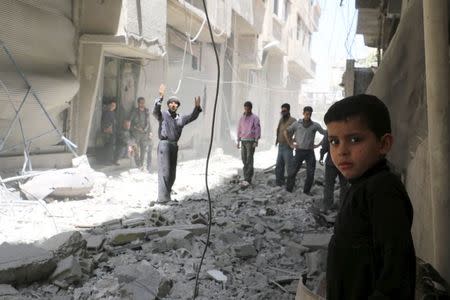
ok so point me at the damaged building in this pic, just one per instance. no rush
(78, 55)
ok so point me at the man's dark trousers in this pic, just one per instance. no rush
(284, 158)
(331, 172)
(167, 166)
(247, 153)
(300, 156)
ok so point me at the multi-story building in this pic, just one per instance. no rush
(80, 54)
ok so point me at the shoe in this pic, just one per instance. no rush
(307, 193)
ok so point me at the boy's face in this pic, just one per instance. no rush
(354, 147)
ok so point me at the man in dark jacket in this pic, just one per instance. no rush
(171, 125)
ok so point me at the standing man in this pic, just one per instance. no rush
(141, 132)
(248, 134)
(284, 157)
(170, 127)
(331, 172)
(304, 132)
(109, 128)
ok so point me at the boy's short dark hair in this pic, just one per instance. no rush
(307, 109)
(369, 108)
(287, 106)
(139, 99)
(248, 104)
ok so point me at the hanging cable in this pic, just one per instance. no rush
(209, 151)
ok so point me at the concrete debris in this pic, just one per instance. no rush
(94, 242)
(316, 262)
(7, 290)
(71, 182)
(64, 244)
(68, 270)
(22, 263)
(217, 275)
(316, 240)
(257, 251)
(245, 251)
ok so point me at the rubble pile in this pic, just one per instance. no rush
(263, 240)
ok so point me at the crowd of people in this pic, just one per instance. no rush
(371, 253)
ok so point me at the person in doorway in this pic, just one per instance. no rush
(284, 156)
(141, 133)
(371, 253)
(123, 141)
(304, 132)
(248, 134)
(331, 172)
(109, 128)
(171, 125)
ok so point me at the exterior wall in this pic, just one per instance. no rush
(44, 62)
(400, 82)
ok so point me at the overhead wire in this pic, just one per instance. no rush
(209, 150)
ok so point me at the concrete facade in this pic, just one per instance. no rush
(123, 49)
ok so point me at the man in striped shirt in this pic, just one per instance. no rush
(248, 134)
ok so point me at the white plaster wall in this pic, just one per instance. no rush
(41, 38)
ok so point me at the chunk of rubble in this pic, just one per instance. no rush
(64, 244)
(7, 290)
(217, 275)
(24, 263)
(142, 281)
(70, 182)
(316, 241)
(68, 270)
(94, 242)
(245, 251)
(124, 236)
(177, 239)
(316, 262)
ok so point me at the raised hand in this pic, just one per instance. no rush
(197, 101)
(162, 90)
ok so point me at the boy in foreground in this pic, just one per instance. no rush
(371, 254)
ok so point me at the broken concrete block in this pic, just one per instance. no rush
(294, 250)
(112, 224)
(229, 237)
(123, 236)
(101, 257)
(24, 263)
(316, 262)
(94, 242)
(87, 265)
(316, 240)
(133, 222)
(288, 227)
(178, 239)
(260, 228)
(199, 219)
(68, 270)
(158, 245)
(70, 182)
(165, 287)
(245, 251)
(7, 290)
(142, 275)
(64, 244)
(217, 275)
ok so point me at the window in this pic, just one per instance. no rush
(299, 28)
(280, 9)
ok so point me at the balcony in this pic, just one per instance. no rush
(250, 15)
(299, 61)
(188, 16)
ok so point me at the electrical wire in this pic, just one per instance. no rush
(209, 150)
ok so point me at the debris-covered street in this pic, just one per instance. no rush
(263, 239)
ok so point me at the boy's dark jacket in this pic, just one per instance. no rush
(371, 254)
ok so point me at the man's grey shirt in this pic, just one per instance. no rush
(171, 125)
(304, 136)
